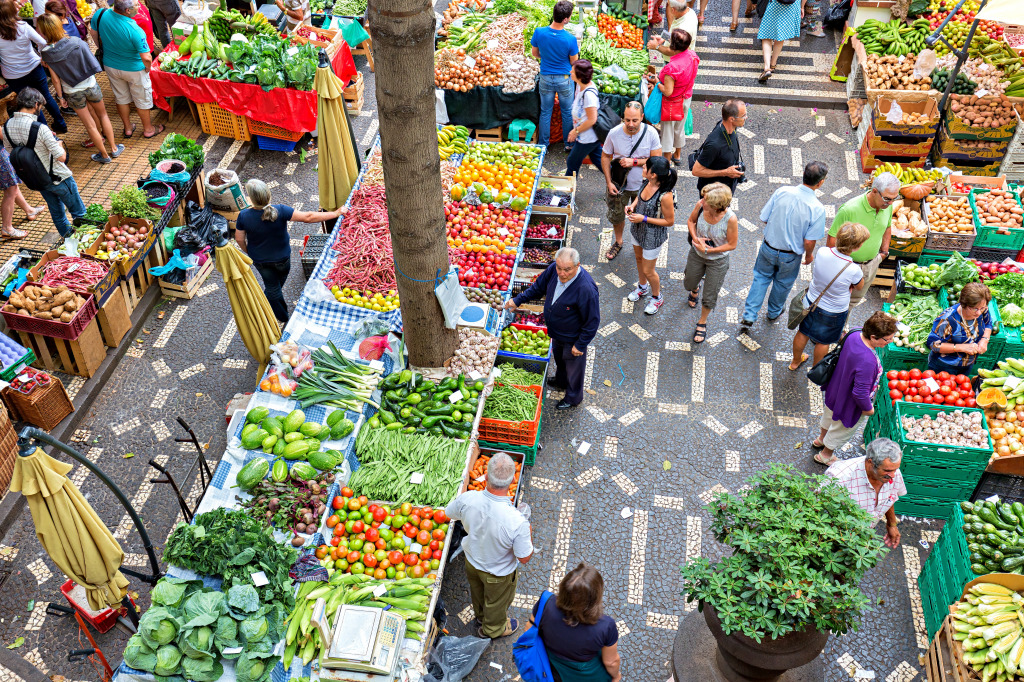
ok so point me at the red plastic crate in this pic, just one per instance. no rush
(513, 433)
(101, 620)
(55, 328)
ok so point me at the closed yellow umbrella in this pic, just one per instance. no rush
(338, 167)
(69, 529)
(255, 319)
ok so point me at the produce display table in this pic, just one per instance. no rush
(293, 110)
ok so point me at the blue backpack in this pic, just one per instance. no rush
(529, 653)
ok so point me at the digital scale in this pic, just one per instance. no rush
(364, 639)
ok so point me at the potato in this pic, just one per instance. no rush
(44, 315)
(57, 310)
(63, 297)
(67, 317)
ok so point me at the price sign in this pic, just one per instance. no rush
(470, 62)
(455, 397)
(618, 28)
(380, 591)
(554, 201)
(552, 231)
(416, 478)
(932, 385)
(475, 376)
(496, 372)
(259, 579)
(1011, 383)
(502, 231)
(292, 51)
(491, 44)
(480, 479)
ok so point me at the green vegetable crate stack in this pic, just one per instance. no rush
(946, 570)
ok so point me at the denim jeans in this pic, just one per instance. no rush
(566, 89)
(274, 276)
(36, 78)
(580, 151)
(773, 269)
(64, 194)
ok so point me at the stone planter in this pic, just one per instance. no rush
(741, 659)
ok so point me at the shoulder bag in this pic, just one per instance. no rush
(529, 653)
(797, 311)
(99, 39)
(618, 171)
(822, 372)
(606, 120)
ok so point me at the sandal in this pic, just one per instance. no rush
(159, 129)
(765, 75)
(128, 133)
(803, 359)
(702, 332)
(692, 300)
(13, 234)
(31, 215)
(733, 26)
(89, 143)
(700, 19)
(820, 459)
(816, 445)
(614, 251)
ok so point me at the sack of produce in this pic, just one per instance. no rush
(224, 190)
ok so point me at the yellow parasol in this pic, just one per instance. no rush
(255, 319)
(337, 164)
(69, 529)
(1004, 11)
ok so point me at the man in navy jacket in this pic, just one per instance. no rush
(572, 313)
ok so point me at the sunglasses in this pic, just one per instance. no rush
(886, 199)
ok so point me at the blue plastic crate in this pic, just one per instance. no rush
(273, 144)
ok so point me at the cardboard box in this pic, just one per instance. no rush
(869, 161)
(884, 127)
(960, 130)
(961, 150)
(896, 145)
(974, 180)
(965, 167)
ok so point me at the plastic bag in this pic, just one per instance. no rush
(224, 190)
(205, 228)
(292, 354)
(837, 14)
(617, 71)
(925, 64)
(454, 658)
(895, 114)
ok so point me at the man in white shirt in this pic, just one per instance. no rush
(875, 483)
(628, 146)
(498, 539)
(678, 15)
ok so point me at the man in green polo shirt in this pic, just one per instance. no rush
(873, 210)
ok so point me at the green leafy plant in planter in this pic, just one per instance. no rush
(800, 548)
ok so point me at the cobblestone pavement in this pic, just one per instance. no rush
(716, 412)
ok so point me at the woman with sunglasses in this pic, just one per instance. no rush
(961, 332)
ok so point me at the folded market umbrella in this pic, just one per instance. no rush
(255, 319)
(337, 164)
(69, 529)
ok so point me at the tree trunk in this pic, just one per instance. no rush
(403, 46)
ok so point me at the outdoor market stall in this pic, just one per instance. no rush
(359, 452)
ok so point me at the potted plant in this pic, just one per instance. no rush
(800, 546)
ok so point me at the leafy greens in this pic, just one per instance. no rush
(180, 148)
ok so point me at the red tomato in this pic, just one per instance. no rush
(894, 394)
(902, 386)
(415, 519)
(353, 557)
(436, 555)
(929, 399)
(379, 514)
(411, 531)
(333, 521)
(960, 403)
(944, 389)
(363, 501)
(438, 534)
(924, 390)
(912, 391)
(357, 527)
(949, 400)
(369, 560)
(434, 544)
(426, 554)
(955, 395)
(411, 559)
(335, 541)
(943, 375)
(892, 374)
(423, 537)
(904, 375)
(915, 373)
(928, 374)
(372, 535)
(381, 543)
(347, 492)
(970, 402)
(337, 503)
(395, 556)
(918, 399)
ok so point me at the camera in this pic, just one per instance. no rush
(742, 167)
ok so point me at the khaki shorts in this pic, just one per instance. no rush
(617, 205)
(80, 99)
(131, 87)
(836, 433)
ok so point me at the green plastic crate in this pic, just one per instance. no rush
(931, 604)
(954, 472)
(929, 257)
(923, 508)
(915, 449)
(27, 359)
(901, 358)
(919, 487)
(529, 451)
(989, 237)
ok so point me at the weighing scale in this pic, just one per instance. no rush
(364, 639)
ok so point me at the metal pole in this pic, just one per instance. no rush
(961, 55)
(26, 448)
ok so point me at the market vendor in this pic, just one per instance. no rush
(298, 13)
(875, 483)
(573, 313)
(262, 233)
(961, 332)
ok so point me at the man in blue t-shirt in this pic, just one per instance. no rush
(557, 51)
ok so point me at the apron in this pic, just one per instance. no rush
(575, 671)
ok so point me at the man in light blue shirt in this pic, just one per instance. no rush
(794, 220)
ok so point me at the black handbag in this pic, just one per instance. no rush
(99, 40)
(822, 372)
(618, 171)
(762, 7)
(606, 120)
(691, 158)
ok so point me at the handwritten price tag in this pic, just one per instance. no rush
(618, 28)
(470, 62)
(380, 591)
(554, 201)
(502, 231)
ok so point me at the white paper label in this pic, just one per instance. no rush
(554, 201)
(862, 674)
(416, 478)
(376, 364)
(232, 650)
(992, 498)
(552, 231)
(74, 267)
(618, 28)
(496, 372)
(259, 579)
(498, 666)
(455, 397)
(470, 62)
(457, 22)
(415, 548)
(480, 479)
(932, 385)
(475, 375)
(1011, 383)
(584, 448)
(503, 231)
(380, 591)
(626, 512)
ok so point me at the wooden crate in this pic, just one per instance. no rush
(886, 274)
(191, 286)
(938, 660)
(135, 285)
(114, 318)
(81, 357)
(355, 106)
(354, 92)
(488, 135)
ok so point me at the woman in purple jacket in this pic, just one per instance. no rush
(850, 393)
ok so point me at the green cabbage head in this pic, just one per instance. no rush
(168, 660)
(158, 626)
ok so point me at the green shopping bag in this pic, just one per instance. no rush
(688, 126)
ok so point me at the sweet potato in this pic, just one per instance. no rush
(67, 317)
(62, 298)
(44, 315)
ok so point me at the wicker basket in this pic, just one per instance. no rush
(45, 407)
(8, 450)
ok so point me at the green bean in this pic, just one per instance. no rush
(520, 377)
(510, 403)
(389, 459)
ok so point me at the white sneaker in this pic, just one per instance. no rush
(653, 305)
(638, 293)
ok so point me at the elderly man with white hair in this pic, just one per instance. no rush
(572, 312)
(873, 210)
(498, 539)
(875, 483)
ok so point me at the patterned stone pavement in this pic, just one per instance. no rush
(716, 412)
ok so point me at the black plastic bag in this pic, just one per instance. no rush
(837, 14)
(204, 228)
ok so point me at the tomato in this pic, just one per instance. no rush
(347, 492)
(440, 517)
(358, 567)
(372, 508)
(372, 535)
(955, 395)
(397, 521)
(902, 386)
(895, 395)
(406, 509)
(929, 399)
(321, 552)
(426, 512)
(370, 560)
(410, 531)
(924, 390)
(423, 537)
(434, 565)
(912, 391)
(353, 505)
(379, 514)
(386, 534)
(915, 373)
(970, 402)
(380, 574)
(395, 556)
(335, 540)
(415, 519)
(943, 375)
(960, 402)
(411, 559)
(436, 555)
(338, 503)
(945, 390)
(333, 520)
(357, 526)
(434, 544)
(363, 501)
(353, 557)
(426, 524)
(397, 543)
(416, 571)
(949, 400)
(438, 534)
(381, 543)
(903, 375)
(928, 374)
(892, 374)
(918, 399)
(425, 554)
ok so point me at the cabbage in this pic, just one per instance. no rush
(1012, 315)
(202, 670)
(203, 608)
(255, 627)
(255, 668)
(198, 643)
(168, 660)
(158, 626)
(226, 634)
(171, 592)
(138, 655)
(244, 598)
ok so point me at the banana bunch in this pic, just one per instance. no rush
(220, 22)
(893, 37)
(907, 176)
(257, 23)
(452, 140)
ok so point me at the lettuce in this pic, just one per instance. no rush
(1013, 316)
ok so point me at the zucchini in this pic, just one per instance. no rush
(978, 569)
(1018, 509)
(1012, 564)
(991, 518)
(1005, 512)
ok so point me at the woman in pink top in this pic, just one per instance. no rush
(676, 84)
